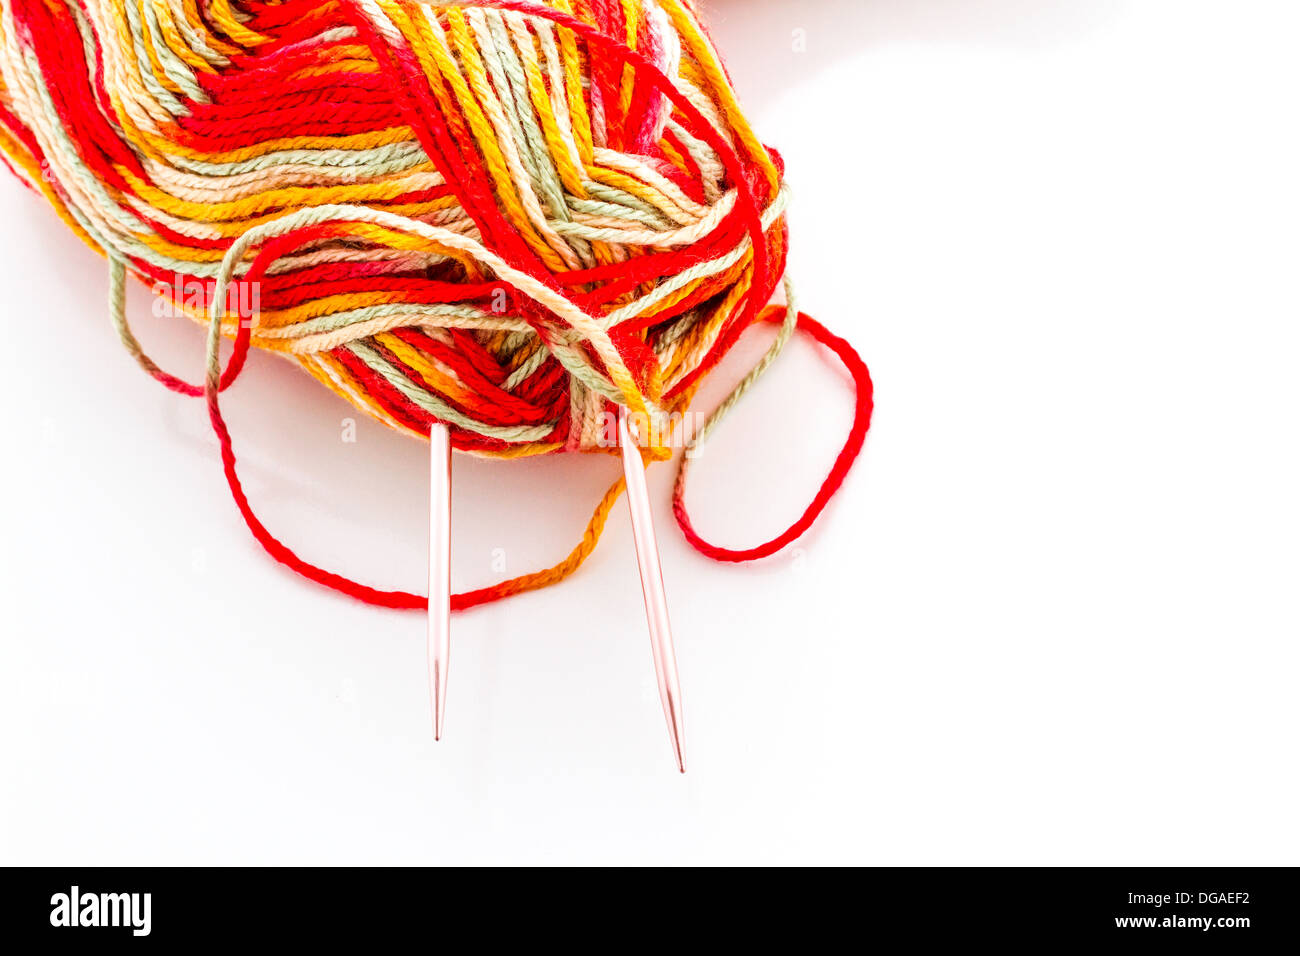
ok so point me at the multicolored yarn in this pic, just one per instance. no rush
(511, 217)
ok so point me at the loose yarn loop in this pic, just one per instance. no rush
(511, 217)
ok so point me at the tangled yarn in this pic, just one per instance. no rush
(510, 217)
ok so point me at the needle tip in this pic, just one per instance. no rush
(675, 732)
(439, 699)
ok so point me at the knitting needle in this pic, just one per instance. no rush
(652, 584)
(439, 569)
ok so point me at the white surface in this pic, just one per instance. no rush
(1051, 618)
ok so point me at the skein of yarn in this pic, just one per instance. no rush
(512, 218)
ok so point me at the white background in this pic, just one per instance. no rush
(1051, 618)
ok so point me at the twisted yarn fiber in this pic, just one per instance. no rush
(510, 217)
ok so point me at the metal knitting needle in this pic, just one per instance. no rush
(439, 569)
(652, 584)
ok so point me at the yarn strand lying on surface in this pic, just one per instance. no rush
(510, 217)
